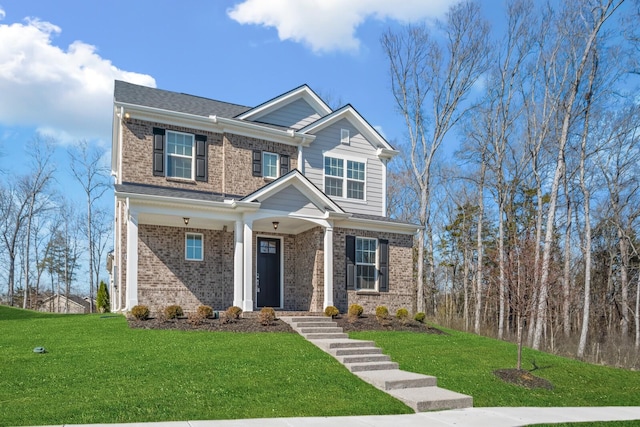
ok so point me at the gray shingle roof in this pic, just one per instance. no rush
(157, 98)
(152, 190)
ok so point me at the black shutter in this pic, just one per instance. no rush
(257, 163)
(351, 262)
(158, 152)
(284, 165)
(201, 157)
(383, 277)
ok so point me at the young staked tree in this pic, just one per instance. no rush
(431, 78)
(89, 171)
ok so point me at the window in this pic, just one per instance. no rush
(344, 136)
(366, 263)
(193, 247)
(269, 165)
(179, 155)
(344, 182)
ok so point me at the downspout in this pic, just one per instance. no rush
(300, 161)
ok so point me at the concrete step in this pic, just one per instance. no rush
(424, 399)
(364, 358)
(356, 350)
(303, 319)
(348, 343)
(395, 379)
(322, 330)
(296, 325)
(371, 366)
(325, 336)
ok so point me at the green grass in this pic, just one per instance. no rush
(464, 363)
(97, 370)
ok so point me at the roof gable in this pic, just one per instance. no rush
(303, 92)
(351, 114)
(302, 185)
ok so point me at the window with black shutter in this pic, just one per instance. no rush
(383, 262)
(284, 165)
(257, 163)
(201, 157)
(351, 262)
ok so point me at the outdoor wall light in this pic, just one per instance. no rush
(186, 220)
(275, 225)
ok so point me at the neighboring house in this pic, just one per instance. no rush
(58, 304)
(280, 205)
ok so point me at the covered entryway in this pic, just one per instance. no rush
(268, 272)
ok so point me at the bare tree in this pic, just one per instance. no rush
(437, 74)
(580, 40)
(88, 170)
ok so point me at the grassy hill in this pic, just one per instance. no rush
(97, 370)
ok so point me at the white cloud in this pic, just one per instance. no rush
(327, 25)
(64, 93)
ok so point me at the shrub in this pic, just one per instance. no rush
(267, 316)
(140, 312)
(355, 310)
(173, 311)
(204, 311)
(102, 299)
(402, 314)
(331, 311)
(232, 314)
(382, 312)
(419, 317)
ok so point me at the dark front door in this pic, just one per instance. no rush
(268, 272)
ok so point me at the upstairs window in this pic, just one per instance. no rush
(344, 182)
(193, 247)
(180, 157)
(269, 165)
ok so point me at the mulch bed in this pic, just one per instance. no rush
(251, 324)
(522, 378)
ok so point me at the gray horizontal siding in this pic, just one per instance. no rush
(292, 200)
(328, 139)
(294, 115)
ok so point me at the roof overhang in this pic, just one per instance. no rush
(303, 92)
(384, 149)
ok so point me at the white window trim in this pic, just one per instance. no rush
(265, 153)
(167, 155)
(344, 178)
(345, 137)
(186, 240)
(376, 265)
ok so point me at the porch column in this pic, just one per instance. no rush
(247, 262)
(328, 266)
(132, 261)
(238, 263)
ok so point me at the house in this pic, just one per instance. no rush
(57, 303)
(280, 205)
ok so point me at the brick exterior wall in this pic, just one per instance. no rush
(229, 159)
(402, 288)
(165, 277)
(238, 162)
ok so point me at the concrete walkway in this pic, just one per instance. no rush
(472, 417)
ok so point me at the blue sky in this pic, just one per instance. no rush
(58, 59)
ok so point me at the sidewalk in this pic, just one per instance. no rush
(473, 417)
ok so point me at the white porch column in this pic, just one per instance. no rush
(328, 265)
(249, 277)
(238, 263)
(132, 260)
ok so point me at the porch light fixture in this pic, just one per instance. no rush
(275, 225)
(186, 220)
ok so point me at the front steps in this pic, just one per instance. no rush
(364, 359)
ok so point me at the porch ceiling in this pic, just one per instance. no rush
(286, 225)
(195, 222)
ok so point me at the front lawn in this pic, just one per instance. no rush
(97, 370)
(465, 363)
